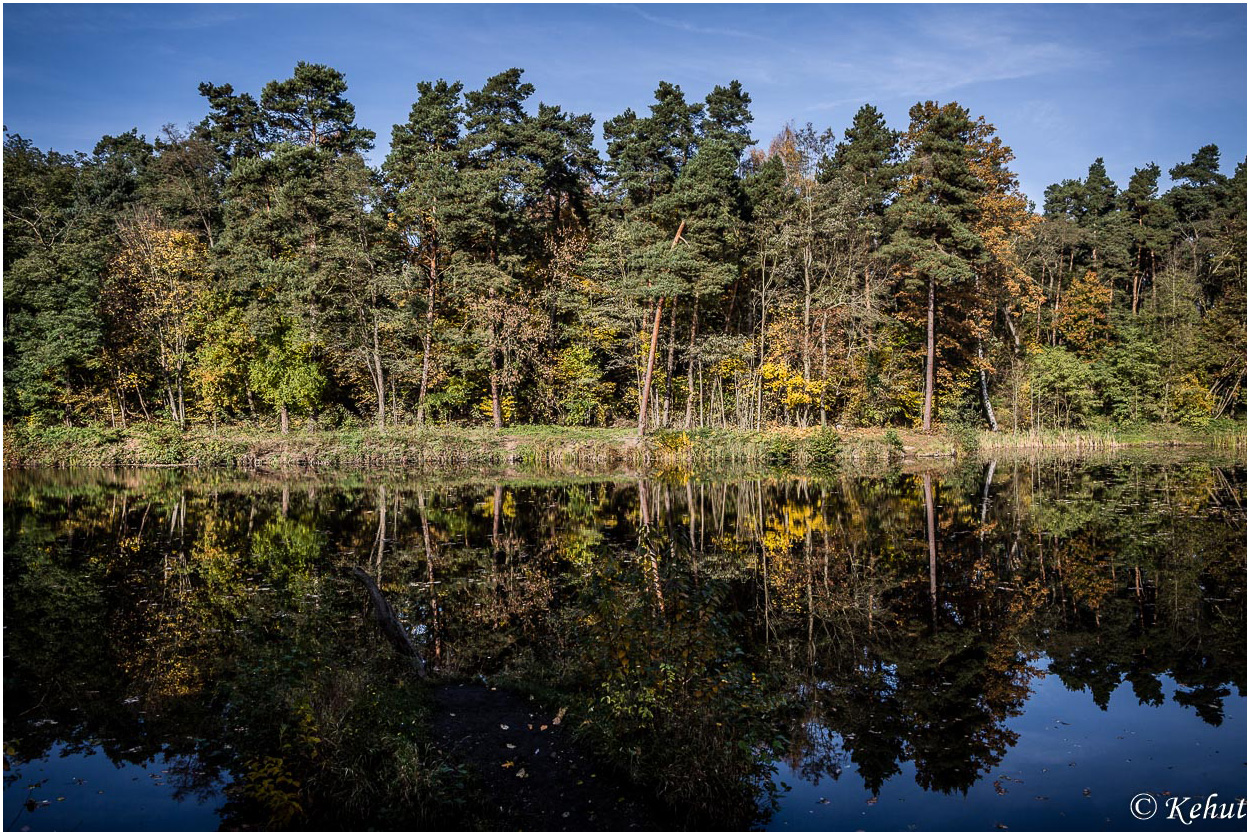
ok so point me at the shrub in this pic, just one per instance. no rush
(1192, 403)
(780, 449)
(966, 438)
(823, 446)
(893, 443)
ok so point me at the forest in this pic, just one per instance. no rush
(497, 269)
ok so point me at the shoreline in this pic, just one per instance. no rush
(452, 447)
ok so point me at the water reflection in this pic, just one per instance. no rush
(704, 632)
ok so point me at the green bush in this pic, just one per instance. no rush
(823, 446)
(893, 443)
(966, 438)
(780, 449)
(163, 443)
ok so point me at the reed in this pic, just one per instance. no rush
(558, 447)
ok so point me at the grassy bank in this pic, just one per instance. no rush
(156, 445)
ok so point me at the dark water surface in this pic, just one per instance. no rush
(995, 645)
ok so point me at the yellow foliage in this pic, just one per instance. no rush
(789, 386)
(1082, 314)
(507, 406)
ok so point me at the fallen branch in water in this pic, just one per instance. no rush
(389, 622)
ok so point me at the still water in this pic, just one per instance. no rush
(1023, 645)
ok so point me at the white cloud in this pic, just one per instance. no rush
(696, 29)
(940, 54)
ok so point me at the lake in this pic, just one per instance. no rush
(1013, 644)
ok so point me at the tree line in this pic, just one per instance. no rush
(497, 268)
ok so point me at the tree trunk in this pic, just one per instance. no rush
(1137, 272)
(435, 632)
(824, 364)
(285, 419)
(670, 365)
(1015, 337)
(985, 391)
(655, 338)
(694, 327)
(931, 531)
(985, 494)
(379, 381)
(496, 409)
(389, 623)
(427, 340)
(496, 515)
(930, 356)
(807, 313)
(121, 403)
(380, 538)
(646, 380)
(703, 412)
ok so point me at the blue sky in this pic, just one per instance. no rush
(1062, 83)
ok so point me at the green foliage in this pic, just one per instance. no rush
(286, 374)
(680, 675)
(780, 449)
(967, 438)
(163, 443)
(1128, 376)
(893, 443)
(1063, 384)
(581, 396)
(309, 109)
(1192, 404)
(823, 445)
(449, 400)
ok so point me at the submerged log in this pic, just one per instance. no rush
(389, 622)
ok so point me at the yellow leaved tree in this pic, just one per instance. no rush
(166, 270)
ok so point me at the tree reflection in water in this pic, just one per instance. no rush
(698, 630)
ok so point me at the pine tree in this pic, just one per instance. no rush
(423, 174)
(934, 240)
(309, 109)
